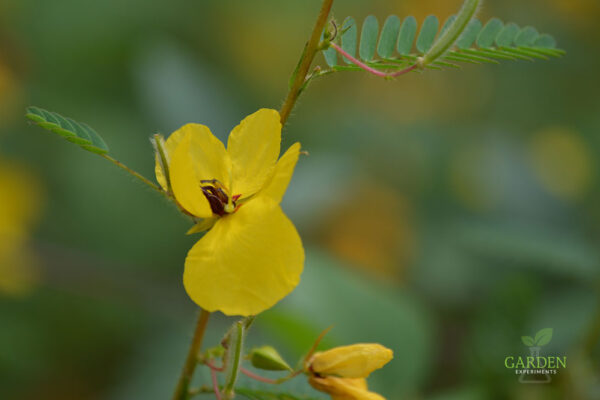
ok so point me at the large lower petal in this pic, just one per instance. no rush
(247, 262)
(254, 146)
(280, 179)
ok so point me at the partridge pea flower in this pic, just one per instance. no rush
(251, 257)
(342, 371)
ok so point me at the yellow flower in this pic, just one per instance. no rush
(252, 255)
(341, 371)
(20, 203)
(344, 388)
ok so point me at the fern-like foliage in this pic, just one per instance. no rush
(401, 43)
(75, 132)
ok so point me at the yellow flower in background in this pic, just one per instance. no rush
(562, 162)
(341, 371)
(252, 255)
(20, 202)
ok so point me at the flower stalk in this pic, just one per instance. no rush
(236, 346)
(135, 174)
(182, 389)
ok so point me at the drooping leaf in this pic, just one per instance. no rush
(402, 44)
(75, 132)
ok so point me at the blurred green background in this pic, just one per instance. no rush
(444, 215)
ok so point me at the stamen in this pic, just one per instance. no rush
(218, 198)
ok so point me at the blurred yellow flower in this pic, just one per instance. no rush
(19, 206)
(341, 371)
(379, 238)
(11, 93)
(562, 162)
(252, 255)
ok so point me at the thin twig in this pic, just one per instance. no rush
(215, 383)
(134, 173)
(259, 378)
(214, 367)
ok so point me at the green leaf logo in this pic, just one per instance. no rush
(543, 337)
(528, 341)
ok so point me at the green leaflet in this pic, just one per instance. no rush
(402, 42)
(428, 33)
(349, 37)
(527, 37)
(469, 35)
(407, 36)
(368, 38)
(488, 34)
(389, 36)
(75, 132)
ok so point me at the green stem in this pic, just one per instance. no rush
(306, 60)
(236, 348)
(182, 389)
(134, 173)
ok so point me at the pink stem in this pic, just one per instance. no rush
(257, 377)
(215, 383)
(214, 367)
(364, 66)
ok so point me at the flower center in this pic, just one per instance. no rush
(218, 198)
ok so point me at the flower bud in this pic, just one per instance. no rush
(267, 358)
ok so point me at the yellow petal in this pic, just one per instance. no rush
(354, 361)
(284, 169)
(202, 226)
(247, 262)
(254, 146)
(169, 146)
(344, 388)
(185, 182)
(211, 160)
